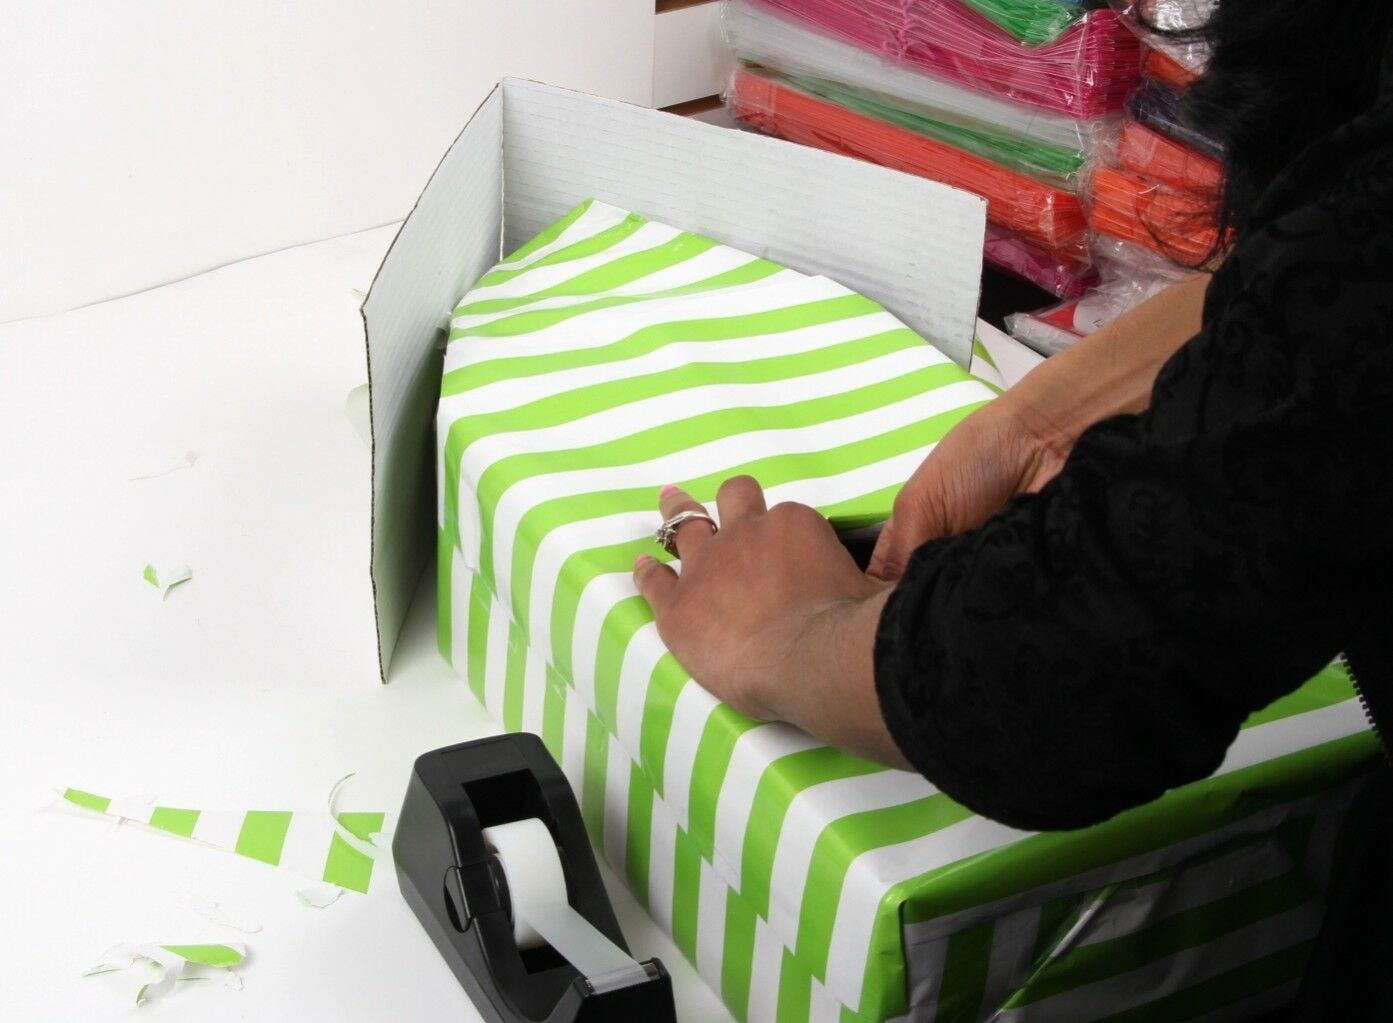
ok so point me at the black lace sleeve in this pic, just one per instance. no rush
(1101, 641)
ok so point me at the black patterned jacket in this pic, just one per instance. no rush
(1099, 642)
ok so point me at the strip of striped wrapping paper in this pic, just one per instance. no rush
(1047, 214)
(628, 354)
(1225, 923)
(305, 843)
(569, 395)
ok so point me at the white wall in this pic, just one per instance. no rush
(142, 141)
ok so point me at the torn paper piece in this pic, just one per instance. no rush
(166, 581)
(130, 808)
(319, 895)
(356, 411)
(316, 846)
(186, 461)
(172, 962)
(214, 912)
(354, 839)
(117, 811)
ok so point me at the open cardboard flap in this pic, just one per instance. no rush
(530, 153)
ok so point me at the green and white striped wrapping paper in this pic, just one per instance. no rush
(304, 842)
(1225, 921)
(610, 356)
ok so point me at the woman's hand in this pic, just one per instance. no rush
(1018, 443)
(772, 616)
(771, 613)
(990, 457)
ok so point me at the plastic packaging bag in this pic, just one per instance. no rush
(1045, 214)
(759, 34)
(1160, 107)
(1052, 330)
(1047, 331)
(1118, 259)
(1149, 154)
(1175, 223)
(1129, 274)
(1086, 73)
(1167, 71)
(1033, 22)
(1170, 16)
(1063, 274)
(1048, 163)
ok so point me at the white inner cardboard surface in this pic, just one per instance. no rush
(530, 153)
(447, 243)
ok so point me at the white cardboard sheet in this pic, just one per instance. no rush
(447, 243)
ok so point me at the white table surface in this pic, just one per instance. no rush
(253, 686)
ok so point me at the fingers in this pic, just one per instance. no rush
(692, 534)
(882, 565)
(740, 497)
(917, 517)
(655, 582)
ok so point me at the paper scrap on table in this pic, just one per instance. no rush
(174, 962)
(368, 845)
(185, 461)
(166, 581)
(355, 410)
(213, 912)
(331, 847)
(319, 895)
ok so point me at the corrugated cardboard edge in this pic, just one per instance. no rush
(392, 599)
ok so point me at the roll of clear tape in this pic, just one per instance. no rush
(542, 915)
(530, 863)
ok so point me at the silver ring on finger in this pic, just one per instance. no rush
(667, 532)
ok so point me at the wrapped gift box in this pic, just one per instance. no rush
(803, 883)
(1206, 900)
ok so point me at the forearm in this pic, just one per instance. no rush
(1112, 370)
(828, 686)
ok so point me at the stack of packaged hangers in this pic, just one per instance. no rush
(1011, 99)
(1151, 207)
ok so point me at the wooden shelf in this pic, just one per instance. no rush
(694, 106)
(664, 6)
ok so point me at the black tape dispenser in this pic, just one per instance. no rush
(493, 858)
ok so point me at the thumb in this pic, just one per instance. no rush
(882, 564)
(918, 517)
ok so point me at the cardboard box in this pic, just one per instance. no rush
(803, 885)
(531, 152)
